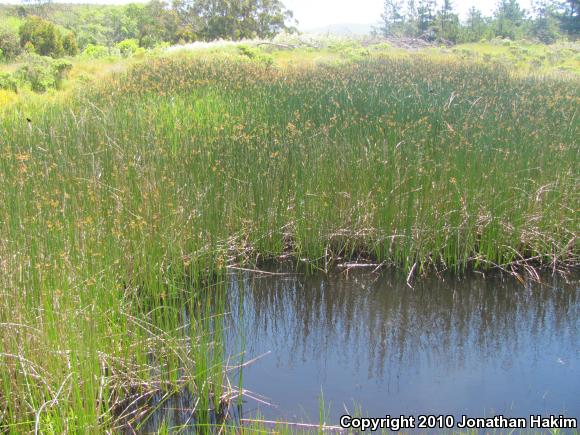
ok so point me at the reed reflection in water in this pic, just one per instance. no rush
(474, 345)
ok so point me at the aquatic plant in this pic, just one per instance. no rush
(121, 210)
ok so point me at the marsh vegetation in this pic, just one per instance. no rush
(123, 208)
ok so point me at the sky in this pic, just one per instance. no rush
(318, 13)
(313, 14)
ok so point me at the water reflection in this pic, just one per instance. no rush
(471, 345)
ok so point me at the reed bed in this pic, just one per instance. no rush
(121, 210)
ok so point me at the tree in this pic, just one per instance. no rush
(235, 19)
(569, 17)
(40, 7)
(166, 23)
(509, 19)
(122, 23)
(411, 19)
(9, 43)
(426, 17)
(392, 17)
(69, 44)
(447, 22)
(190, 21)
(476, 26)
(272, 17)
(545, 24)
(43, 35)
(152, 23)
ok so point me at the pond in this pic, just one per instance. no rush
(366, 342)
(476, 345)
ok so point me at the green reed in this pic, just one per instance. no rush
(407, 161)
(126, 204)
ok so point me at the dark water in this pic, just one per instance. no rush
(476, 346)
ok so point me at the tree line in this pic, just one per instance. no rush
(547, 21)
(52, 29)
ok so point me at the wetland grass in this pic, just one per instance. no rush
(125, 205)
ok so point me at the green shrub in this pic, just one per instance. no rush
(61, 69)
(128, 47)
(7, 82)
(149, 41)
(256, 55)
(250, 52)
(69, 44)
(9, 44)
(44, 35)
(95, 51)
(29, 48)
(43, 73)
(37, 76)
(184, 35)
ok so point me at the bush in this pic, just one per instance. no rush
(69, 44)
(37, 76)
(9, 44)
(7, 82)
(43, 73)
(255, 54)
(545, 30)
(29, 48)
(61, 69)
(128, 47)
(44, 36)
(184, 35)
(149, 41)
(95, 51)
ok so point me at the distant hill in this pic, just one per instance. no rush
(343, 29)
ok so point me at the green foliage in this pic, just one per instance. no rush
(421, 18)
(38, 75)
(545, 30)
(523, 56)
(477, 27)
(42, 73)
(9, 43)
(447, 23)
(61, 69)
(509, 20)
(392, 18)
(69, 44)
(44, 35)
(247, 51)
(568, 16)
(184, 35)
(255, 54)
(95, 51)
(232, 19)
(121, 207)
(29, 48)
(128, 47)
(426, 11)
(185, 21)
(8, 82)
